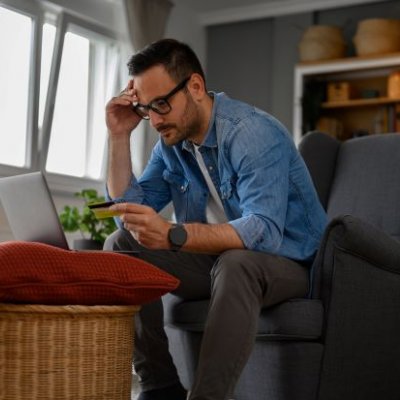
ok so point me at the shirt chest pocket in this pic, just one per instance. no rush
(227, 189)
(179, 187)
(177, 182)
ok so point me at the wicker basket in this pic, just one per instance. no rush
(377, 36)
(322, 42)
(66, 352)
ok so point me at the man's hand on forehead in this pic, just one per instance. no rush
(130, 92)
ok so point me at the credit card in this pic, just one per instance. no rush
(102, 210)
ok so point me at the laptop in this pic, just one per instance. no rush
(30, 210)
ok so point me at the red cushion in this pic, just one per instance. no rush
(36, 273)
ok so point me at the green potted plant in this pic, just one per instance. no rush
(93, 230)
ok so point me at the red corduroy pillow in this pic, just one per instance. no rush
(36, 273)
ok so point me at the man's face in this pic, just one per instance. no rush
(183, 121)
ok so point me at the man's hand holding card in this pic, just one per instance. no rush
(102, 210)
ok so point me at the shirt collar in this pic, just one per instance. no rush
(210, 139)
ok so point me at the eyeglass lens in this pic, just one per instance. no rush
(161, 105)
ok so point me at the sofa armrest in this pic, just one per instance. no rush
(358, 279)
(354, 236)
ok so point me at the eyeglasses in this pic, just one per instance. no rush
(160, 105)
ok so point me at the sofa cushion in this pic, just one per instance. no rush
(292, 320)
(36, 273)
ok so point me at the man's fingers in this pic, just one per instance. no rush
(131, 208)
(128, 90)
(133, 217)
(120, 207)
(126, 96)
(119, 101)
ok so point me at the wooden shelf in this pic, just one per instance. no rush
(350, 60)
(360, 102)
(354, 115)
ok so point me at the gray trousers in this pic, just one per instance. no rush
(239, 283)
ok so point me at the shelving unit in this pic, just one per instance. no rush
(357, 114)
(360, 102)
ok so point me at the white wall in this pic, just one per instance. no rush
(104, 12)
(184, 25)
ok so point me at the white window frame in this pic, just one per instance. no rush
(32, 10)
(38, 142)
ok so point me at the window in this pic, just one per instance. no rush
(78, 130)
(52, 112)
(14, 84)
(67, 137)
(48, 38)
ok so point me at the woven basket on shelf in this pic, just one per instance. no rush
(322, 42)
(377, 36)
(66, 352)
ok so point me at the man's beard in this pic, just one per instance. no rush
(190, 124)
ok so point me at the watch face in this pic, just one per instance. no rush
(177, 235)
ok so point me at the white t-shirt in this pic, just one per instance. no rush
(215, 210)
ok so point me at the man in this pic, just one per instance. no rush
(248, 218)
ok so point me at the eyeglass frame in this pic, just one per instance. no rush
(165, 98)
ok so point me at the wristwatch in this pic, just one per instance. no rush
(177, 236)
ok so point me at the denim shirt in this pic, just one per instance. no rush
(264, 185)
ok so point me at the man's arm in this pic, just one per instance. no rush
(211, 238)
(151, 231)
(121, 120)
(119, 165)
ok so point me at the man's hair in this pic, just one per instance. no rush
(179, 60)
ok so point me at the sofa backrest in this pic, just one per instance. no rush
(366, 182)
(362, 177)
(319, 152)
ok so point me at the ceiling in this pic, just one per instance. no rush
(202, 6)
(212, 12)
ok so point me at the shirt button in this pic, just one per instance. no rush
(210, 168)
(182, 188)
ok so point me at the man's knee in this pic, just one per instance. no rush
(238, 262)
(271, 277)
(234, 266)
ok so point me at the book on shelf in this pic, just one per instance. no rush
(387, 119)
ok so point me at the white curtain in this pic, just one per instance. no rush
(146, 23)
(147, 20)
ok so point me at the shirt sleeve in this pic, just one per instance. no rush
(262, 181)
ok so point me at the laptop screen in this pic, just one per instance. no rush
(30, 209)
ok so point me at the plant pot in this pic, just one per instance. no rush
(87, 244)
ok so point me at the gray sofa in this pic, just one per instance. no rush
(343, 342)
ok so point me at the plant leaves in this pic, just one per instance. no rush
(72, 219)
